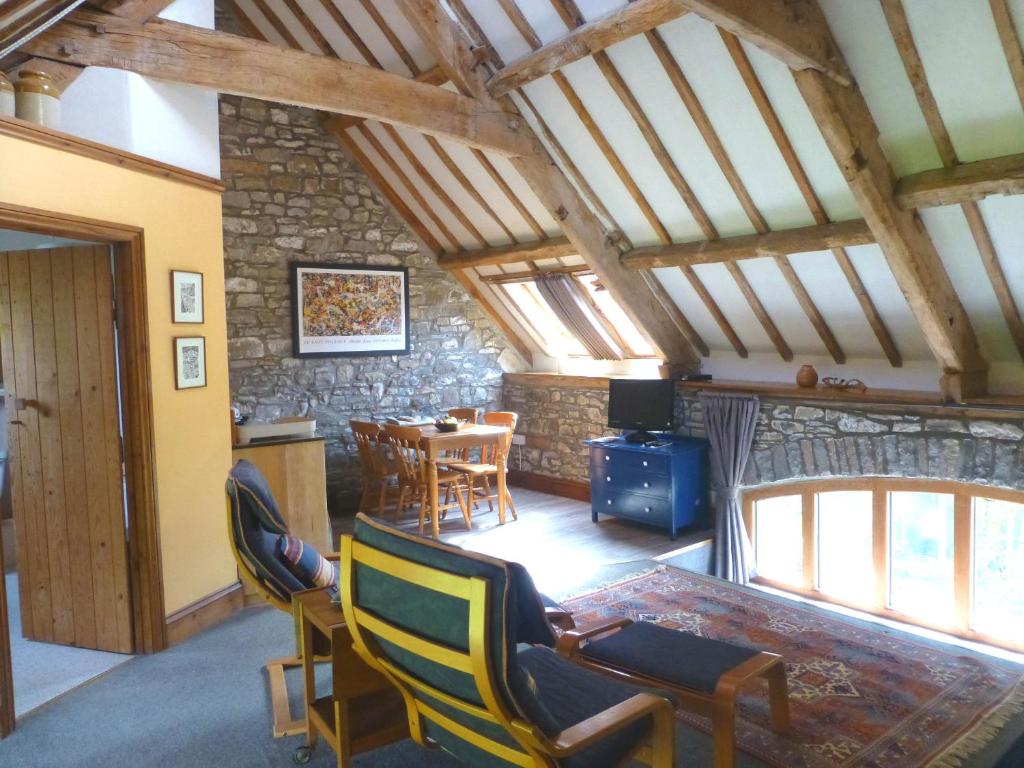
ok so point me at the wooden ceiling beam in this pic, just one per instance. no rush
(553, 248)
(899, 25)
(1010, 41)
(783, 242)
(851, 134)
(138, 10)
(453, 51)
(245, 67)
(962, 183)
(586, 40)
(786, 29)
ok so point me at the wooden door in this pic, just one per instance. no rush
(60, 372)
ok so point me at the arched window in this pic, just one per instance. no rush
(944, 555)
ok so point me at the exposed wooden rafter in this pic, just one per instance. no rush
(454, 52)
(789, 156)
(139, 10)
(788, 30)
(851, 134)
(554, 248)
(245, 67)
(633, 19)
(899, 25)
(962, 183)
(779, 243)
(1011, 43)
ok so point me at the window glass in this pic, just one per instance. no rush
(999, 568)
(921, 555)
(846, 568)
(779, 540)
(610, 308)
(545, 326)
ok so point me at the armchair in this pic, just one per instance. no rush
(255, 526)
(444, 626)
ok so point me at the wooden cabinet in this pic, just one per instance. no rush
(297, 477)
(664, 486)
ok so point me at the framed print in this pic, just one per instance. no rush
(186, 297)
(342, 309)
(189, 362)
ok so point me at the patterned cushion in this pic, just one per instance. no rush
(309, 566)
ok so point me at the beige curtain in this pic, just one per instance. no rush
(563, 295)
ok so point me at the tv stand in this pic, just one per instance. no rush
(663, 485)
(641, 437)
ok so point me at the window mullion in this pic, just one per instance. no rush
(963, 550)
(810, 534)
(880, 545)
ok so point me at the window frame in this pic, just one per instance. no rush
(880, 487)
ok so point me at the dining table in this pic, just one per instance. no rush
(438, 446)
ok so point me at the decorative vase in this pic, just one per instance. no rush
(807, 377)
(37, 98)
(6, 97)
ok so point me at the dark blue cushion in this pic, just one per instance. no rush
(567, 693)
(532, 625)
(256, 496)
(678, 658)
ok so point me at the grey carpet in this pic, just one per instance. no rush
(202, 703)
(43, 671)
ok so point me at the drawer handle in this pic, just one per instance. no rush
(647, 509)
(609, 502)
(608, 478)
(645, 463)
(607, 458)
(646, 484)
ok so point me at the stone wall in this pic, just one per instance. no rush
(792, 441)
(294, 195)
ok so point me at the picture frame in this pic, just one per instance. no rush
(186, 297)
(189, 362)
(348, 310)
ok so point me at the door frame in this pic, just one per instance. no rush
(145, 575)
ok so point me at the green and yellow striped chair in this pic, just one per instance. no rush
(456, 631)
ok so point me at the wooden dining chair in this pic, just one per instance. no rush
(411, 461)
(380, 479)
(488, 465)
(471, 415)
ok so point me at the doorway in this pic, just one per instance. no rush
(82, 587)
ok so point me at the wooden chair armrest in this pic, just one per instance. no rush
(570, 642)
(595, 728)
(333, 556)
(559, 618)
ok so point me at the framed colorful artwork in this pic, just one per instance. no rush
(186, 297)
(189, 362)
(345, 309)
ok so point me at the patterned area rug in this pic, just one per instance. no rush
(859, 696)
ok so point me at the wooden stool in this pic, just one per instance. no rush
(706, 675)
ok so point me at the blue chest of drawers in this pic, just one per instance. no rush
(665, 486)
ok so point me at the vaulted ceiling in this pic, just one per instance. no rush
(686, 132)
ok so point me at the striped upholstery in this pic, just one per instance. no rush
(309, 566)
(443, 625)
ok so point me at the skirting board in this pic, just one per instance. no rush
(204, 613)
(556, 486)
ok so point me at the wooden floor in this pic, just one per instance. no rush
(554, 538)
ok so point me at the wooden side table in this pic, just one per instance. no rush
(363, 710)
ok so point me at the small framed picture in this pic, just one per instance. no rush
(186, 297)
(189, 362)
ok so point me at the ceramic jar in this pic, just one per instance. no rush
(807, 377)
(37, 98)
(6, 97)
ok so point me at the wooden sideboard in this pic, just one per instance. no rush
(297, 476)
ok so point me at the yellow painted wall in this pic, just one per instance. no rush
(182, 226)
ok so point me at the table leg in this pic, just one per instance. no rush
(435, 522)
(502, 492)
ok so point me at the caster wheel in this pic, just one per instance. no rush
(302, 755)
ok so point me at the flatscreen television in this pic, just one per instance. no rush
(643, 405)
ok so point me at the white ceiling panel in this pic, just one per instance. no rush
(694, 310)
(969, 75)
(726, 293)
(781, 305)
